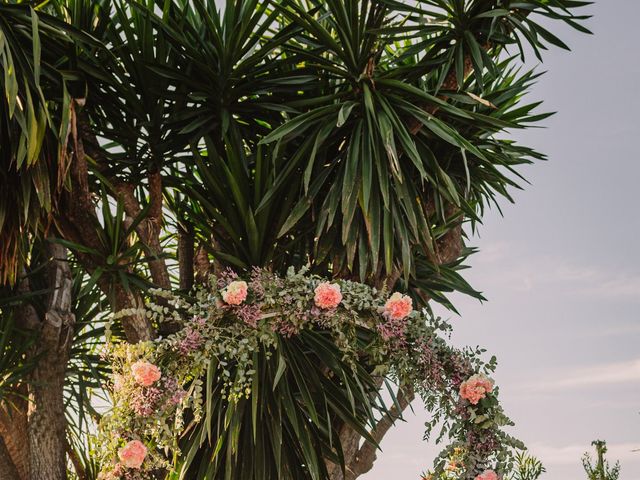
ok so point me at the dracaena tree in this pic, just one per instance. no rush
(151, 151)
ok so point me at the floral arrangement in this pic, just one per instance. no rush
(156, 385)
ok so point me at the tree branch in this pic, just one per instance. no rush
(364, 458)
(148, 229)
(77, 222)
(45, 415)
(185, 256)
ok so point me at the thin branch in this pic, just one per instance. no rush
(149, 229)
(185, 256)
(366, 455)
(76, 462)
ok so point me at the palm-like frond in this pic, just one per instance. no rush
(34, 119)
(286, 429)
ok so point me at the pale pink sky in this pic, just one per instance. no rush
(561, 270)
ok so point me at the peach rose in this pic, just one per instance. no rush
(398, 306)
(475, 388)
(132, 454)
(145, 373)
(235, 293)
(487, 475)
(327, 295)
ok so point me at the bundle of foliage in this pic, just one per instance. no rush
(600, 470)
(238, 350)
(149, 144)
(526, 467)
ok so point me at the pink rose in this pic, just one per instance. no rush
(487, 475)
(398, 306)
(145, 373)
(476, 388)
(235, 293)
(327, 295)
(132, 454)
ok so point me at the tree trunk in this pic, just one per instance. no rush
(8, 470)
(13, 431)
(46, 423)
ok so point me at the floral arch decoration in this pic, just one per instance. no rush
(166, 392)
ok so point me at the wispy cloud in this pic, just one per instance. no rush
(504, 266)
(571, 454)
(615, 330)
(604, 374)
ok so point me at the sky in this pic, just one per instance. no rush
(561, 269)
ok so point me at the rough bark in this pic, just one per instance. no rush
(203, 266)
(13, 433)
(45, 416)
(8, 470)
(185, 257)
(149, 228)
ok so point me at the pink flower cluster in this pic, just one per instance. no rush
(235, 293)
(250, 314)
(145, 400)
(398, 306)
(395, 311)
(191, 341)
(392, 329)
(132, 454)
(487, 475)
(145, 373)
(327, 295)
(475, 388)
(176, 393)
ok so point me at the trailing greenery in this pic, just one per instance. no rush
(601, 469)
(276, 363)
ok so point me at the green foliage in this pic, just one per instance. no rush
(601, 469)
(527, 467)
(278, 368)
(34, 116)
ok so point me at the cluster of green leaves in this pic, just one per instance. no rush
(34, 117)
(528, 467)
(285, 129)
(601, 470)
